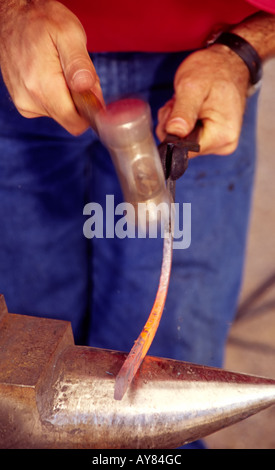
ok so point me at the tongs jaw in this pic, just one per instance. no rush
(174, 152)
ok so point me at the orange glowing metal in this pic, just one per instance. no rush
(144, 341)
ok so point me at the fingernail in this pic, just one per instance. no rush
(83, 78)
(177, 124)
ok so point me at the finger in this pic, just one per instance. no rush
(49, 96)
(163, 114)
(78, 69)
(61, 106)
(189, 98)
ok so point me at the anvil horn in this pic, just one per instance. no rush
(54, 394)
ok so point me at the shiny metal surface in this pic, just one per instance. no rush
(54, 394)
(125, 128)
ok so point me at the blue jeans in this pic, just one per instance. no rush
(106, 286)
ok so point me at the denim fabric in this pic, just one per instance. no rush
(106, 287)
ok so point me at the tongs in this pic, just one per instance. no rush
(174, 156)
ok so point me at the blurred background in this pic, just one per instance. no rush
(251, 344)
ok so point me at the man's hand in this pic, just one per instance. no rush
(43, 56)
(211, 86)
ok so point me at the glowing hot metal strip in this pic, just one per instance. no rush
(144, 341)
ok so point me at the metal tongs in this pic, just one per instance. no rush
(174, 155)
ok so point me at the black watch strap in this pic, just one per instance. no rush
(244, 50)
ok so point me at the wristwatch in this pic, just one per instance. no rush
(246, 52)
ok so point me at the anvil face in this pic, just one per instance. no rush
(54, 394)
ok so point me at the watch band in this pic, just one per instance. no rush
(244, 50)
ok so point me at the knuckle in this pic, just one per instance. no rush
(25, 109)
(229, 148)
(33, 89)
(228, 142)
(231, 137)
(26, 114)
(76, 62)
(186, 83)
(22, 105)
(188, 77)
(224, 140)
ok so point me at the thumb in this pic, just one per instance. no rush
(185, 112)
(78, 69)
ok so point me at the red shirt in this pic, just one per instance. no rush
(158, 25)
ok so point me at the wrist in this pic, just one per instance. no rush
(245, 51)
(250, 58)
(259, 31)
(236, 68)
(255, 42)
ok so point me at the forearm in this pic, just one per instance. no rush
(259, 31)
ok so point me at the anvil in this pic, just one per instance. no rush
(56, 395)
